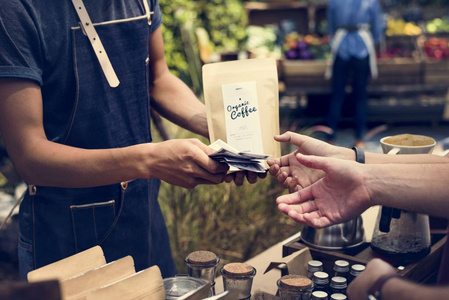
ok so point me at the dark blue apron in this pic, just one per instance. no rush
(124, 218)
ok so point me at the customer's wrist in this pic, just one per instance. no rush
(359, 154)
(376, 289)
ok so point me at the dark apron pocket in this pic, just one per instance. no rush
(26, 260)
(91, 222)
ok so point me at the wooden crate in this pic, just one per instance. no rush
(436, 71)
(424, 270)
(274, 12)
(399, 71)
(391, 72)
(304, 73)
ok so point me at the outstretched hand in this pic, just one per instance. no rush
(290, 173)
(338, 196)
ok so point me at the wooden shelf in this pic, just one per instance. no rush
(275, 5)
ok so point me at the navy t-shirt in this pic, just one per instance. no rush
(36, 44)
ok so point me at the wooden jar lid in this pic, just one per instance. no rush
(295, 281)
(238, 269)
(202, 257)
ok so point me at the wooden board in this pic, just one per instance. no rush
(436, 71)
(261, 14)
(48, 290)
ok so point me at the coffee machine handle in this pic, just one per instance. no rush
(396, 213)
(385, 219)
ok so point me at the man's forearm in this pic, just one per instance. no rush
(52, 164)
(379, 158)
(397, 288)
(409, 186)
(176, 102)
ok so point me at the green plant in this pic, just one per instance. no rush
(174, 13)
(224, 20)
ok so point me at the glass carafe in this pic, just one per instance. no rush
(401, 235)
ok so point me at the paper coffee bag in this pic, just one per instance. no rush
(242, 102)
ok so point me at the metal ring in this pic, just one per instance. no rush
(33, 189)
(124, 185)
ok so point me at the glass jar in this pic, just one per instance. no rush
(341, 268)
(178, 286)
(319, 295)
(321, 281)
(203, 265)
(314, 266)
(238, 276)
(338, 285)
(338, 296)
(355, 271)
(295, 287)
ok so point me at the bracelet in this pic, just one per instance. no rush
(359, 155)
(376, 288)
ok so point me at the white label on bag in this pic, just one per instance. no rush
(242, 116)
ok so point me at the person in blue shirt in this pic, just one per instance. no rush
(355, 27)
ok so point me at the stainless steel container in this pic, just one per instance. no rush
(335, 237)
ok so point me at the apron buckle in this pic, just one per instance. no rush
(32, 189)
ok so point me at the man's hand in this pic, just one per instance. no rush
(290, 173)
(239, 177)
(359, 288)
(339, 196)
(184, 162)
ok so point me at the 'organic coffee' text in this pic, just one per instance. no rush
(241, 110)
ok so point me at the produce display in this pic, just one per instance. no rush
(400, 27)
(262, 41)
(436, 48)
(438, 25)
(306, 47)
(396, 51)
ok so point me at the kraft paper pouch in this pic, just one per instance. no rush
(70, 266)
(79, 286)
(242, 102)
(146, 284)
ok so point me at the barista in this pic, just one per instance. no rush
(342, 189)
(355, 26)
(74, 116)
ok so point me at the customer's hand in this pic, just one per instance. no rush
(359, 288)
(290, 173)
(339, 196)
(184, 162)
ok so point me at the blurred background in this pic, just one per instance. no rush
(410, 96)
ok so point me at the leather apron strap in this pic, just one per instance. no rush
(367, 38)
(89, 29)
(338, 38)
(148, 12)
